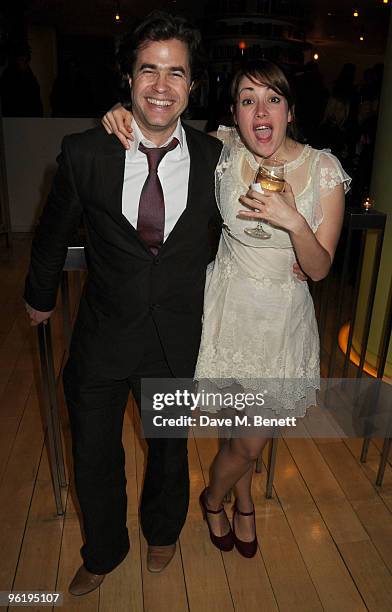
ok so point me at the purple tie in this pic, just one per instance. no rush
(151, 216)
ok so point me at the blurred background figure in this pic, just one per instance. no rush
(369, 100)
(19, 88)
(71, 93)
(311, 100)
(339, 127)
(331, 132)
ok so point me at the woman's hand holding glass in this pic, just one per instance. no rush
(278, 208)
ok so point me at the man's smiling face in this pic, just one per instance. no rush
(160, 86)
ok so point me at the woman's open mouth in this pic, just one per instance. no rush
(263, 132)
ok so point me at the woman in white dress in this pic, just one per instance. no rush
(259, 326)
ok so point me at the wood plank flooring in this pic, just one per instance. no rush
(325, 536)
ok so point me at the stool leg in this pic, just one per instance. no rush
(271, 466)
(383, 461)
(54, 407)
(50, 434)
(78, 284)
(365, 448)
(259, 463)
(227, 497)
(66, 309)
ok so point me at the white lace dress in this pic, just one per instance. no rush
(259, 327)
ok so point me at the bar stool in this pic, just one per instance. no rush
(75, 261)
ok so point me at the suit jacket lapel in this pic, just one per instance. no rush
(112, 171)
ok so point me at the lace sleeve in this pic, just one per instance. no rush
(327, 173)
(331, 174)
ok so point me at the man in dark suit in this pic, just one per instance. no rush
(146, 213)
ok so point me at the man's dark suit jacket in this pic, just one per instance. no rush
(126, 283)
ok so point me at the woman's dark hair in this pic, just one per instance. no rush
(264, 72)
(158, 26)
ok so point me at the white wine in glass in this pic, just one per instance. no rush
(269, 177)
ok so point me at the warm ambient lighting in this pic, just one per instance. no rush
(354, 357)
(315, 57)
(368, 203)
(117, 17)
(355, 13)
(242, 45)
(362, 38)
(385, 1)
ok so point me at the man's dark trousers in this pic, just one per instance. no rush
(96, 408)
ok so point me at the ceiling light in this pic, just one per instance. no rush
(117, 17)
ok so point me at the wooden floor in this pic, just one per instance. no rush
(325, 537)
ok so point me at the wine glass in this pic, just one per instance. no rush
(269, 177)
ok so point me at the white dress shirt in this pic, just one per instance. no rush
(173, 172)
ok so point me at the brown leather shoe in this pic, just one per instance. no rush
(158, 557)
(84, 582)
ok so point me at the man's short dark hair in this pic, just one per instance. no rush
(158, 26)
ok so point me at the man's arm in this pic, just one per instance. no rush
(59, 220)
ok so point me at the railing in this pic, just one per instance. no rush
(337, 302)
(75, 261)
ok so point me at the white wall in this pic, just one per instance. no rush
(31, 147)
